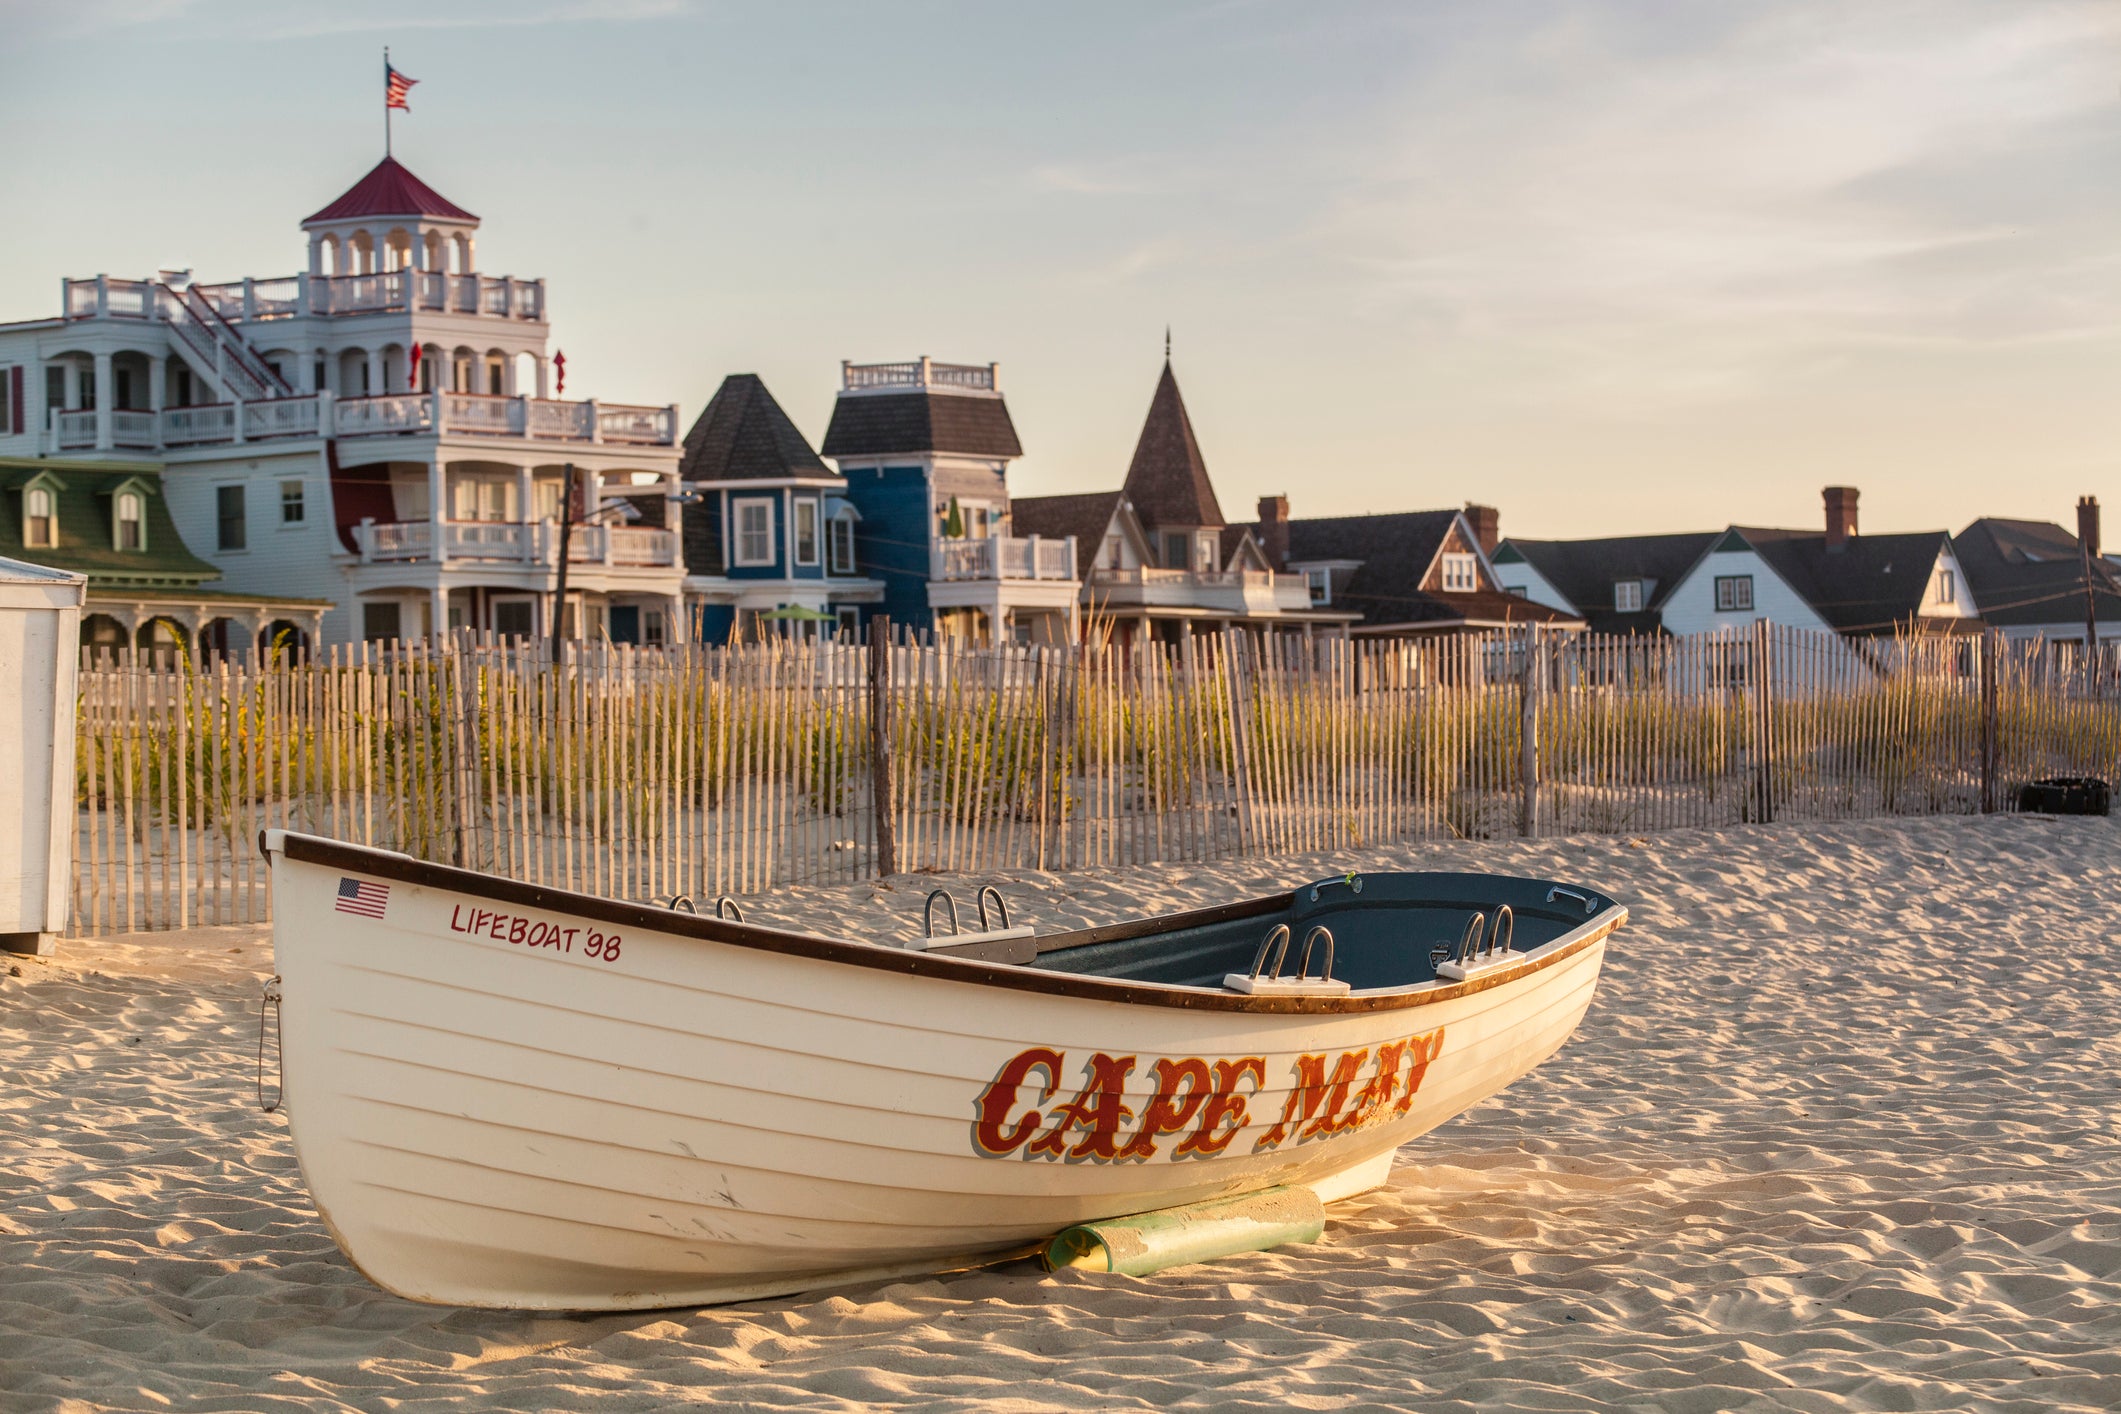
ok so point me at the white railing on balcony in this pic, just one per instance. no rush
(500, 297)
(642, 426)
(393, 412)
(533, 542)
(74, 430)
(130, 428)
(1005, 557)
(557, 421)
(280, 417)
(919, 373)
(215, 422)
(480, 414)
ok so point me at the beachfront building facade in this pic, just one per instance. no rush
(1409, 574)
(1157, 559)
(923, 452)
(2031, 577)
(110, 521)
(384, 430)
(770, 536)
(1833, 579)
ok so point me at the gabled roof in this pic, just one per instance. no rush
(1869, 585)
(1168, 481)
(1086, 517)
(2025, 572)
(390, 189)
(742, 435)
(83, 496)
(1395, 553)
(887, 424)
(1584, 572)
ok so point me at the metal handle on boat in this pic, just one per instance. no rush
(1259, 964)
(928, 913)
(1590, 905)
(1469, 940)
(270, 1001)
(682, 903)
(729, 908)
(1001, 906)
(1303, 964)
(1504, 932)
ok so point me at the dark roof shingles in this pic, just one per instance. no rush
(1086, 517)
(1167, 482)
(884, 424)
(390, 189)
(743, 435)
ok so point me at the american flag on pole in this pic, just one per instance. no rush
(395, 87)
(358, 896)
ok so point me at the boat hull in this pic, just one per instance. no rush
(491, 1111)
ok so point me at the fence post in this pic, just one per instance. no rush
(1764, 721)
(1528, 733)
(1988, 722)
(880, 746)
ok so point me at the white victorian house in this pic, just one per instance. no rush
(381, 430)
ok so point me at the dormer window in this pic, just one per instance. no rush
(40, 518)
(1627, 596)
(1204, 553)
(1461, 574)
(132, 521)
(1947, 587)
(1320, 583)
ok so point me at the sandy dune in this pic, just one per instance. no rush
(1841, 1132)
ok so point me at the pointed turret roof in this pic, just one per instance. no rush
(1168, 481)
(742, 435)
(390, 189)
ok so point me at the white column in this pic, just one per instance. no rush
(316, 254)
(526, 508)
(375, 374)
(508, 375)
(70, 383)
(157, 377)
(104, 390)
(438, 611)
(438, 509)
(544, 375)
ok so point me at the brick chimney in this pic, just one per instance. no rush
(1274, 530)
(1487, 526)
(2088, 526)
(1840, 515)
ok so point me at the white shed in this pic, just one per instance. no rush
(40, 637)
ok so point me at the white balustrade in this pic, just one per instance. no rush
(642, 545)
(640, 425)
(213, 422)
(481, 415)
(276, 299)
(1005, 557)
(1056, 559)
(559, 421)
(488, 540)
(918, 373)
(397, 540)
(129, 428)
(74, 430)
(280, 417)
(395, 412)
(129, 299)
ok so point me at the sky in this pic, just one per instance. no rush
(1612, 266)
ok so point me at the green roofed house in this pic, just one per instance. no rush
(109, 521)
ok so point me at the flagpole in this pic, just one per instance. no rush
(386, 100)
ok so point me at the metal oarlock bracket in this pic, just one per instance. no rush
(270, 1001)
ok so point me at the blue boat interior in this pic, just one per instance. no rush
(1387, 930)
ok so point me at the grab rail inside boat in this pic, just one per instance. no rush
(1481, 946)
(1265, 978)
(1560, 891)
(990, 944)
(1001, 906)
(729, 908)
(681, 903)
(928, 913)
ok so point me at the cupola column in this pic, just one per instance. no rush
(106, 387)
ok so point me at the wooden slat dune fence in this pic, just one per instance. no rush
(701, 770)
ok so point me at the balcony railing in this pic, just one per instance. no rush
(318, 414)
(285, 296)
(1241, 590)
(518, 542)
(919, 373)
(1005, 557)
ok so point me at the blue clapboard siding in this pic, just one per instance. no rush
(891, 542)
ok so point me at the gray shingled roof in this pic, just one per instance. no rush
(881, 424)
(742, 435)
(2030, 572)
(1395, 553)
(1584, 571)
(1086, 517)
(1869, 585)
(1168, 480)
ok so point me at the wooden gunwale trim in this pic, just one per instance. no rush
(402, 868)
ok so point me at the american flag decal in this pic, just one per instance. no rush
(361, 897)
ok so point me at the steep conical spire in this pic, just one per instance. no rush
(743, 435)
(1168, 481)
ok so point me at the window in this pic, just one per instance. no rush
(841, 535)
(54, 385)
(316, 375)
(1627, 596)
(806, 532)
(229, 517)
(654, 632)
(291, 509)
(495, 378)
(7, 401)
(1461, 574)
(1734, 593)
(379, 620)
(132, 532)
(754, 531)
(1204, 553)
(1320, 583)
(122, 387)
(1947, 587)
(1177, 549)
(514, 618)
(1517, 589)
(40, 518)
(88, 388)
(1115, 549)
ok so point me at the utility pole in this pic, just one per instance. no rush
(559, 598)
(2088, 549)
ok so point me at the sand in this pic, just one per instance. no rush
(1840, 1132)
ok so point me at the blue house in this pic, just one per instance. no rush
(770, 534)
(924, 450)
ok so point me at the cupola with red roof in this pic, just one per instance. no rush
(390, 220)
